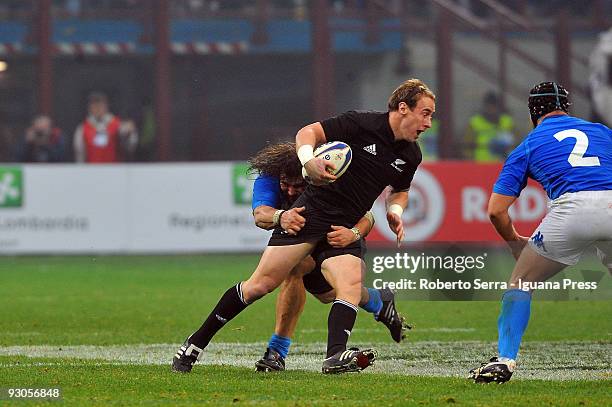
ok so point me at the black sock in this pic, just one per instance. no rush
(339, 325)
(230, 305)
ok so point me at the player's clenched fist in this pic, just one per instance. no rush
(291, 221)
(340, 236)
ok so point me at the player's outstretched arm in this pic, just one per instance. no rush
(499, 216)
(397, 201)
(267, 217)
(341, 236)
(305, 141)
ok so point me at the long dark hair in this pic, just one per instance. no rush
(276, 159)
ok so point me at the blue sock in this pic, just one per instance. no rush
(280, 344)
(512, 322)
(374, 304)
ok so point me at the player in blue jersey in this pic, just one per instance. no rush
(572, 159)
(278, 185)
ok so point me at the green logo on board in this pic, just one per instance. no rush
(11, 187)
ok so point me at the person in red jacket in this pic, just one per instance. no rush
(103, 137)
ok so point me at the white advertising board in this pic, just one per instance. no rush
(134, 208)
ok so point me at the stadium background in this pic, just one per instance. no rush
(80, 244)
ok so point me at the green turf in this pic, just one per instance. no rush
(88, 382)
(144, 299)
(119, 300)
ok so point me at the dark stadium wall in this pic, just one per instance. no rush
(18, 101)
(230, 106)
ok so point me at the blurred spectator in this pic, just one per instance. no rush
(41, 143)
(489, 136)
(196, 5)
(103, 137)
(300, 10)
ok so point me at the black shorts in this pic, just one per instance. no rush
(314, 282)
(315, 230)
(324, 251)
(318, 225)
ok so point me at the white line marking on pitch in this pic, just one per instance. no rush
(373, 330)
(539, 360)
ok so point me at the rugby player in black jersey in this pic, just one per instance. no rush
(279, 183)
(385, 153)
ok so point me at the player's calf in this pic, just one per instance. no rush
(256, 288)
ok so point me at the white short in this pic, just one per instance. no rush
(576, 222)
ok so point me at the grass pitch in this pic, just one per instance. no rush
(104, 329)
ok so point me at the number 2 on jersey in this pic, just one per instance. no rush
(576, 157)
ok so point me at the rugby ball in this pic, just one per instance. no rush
(338, 153)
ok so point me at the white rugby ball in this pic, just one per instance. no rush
(338, 153)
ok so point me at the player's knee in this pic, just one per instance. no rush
(349, 290)
(254, 290)
(351, 282)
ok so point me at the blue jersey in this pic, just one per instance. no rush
(266, 191)
(564, 154)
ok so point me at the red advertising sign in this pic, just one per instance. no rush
(448, 202)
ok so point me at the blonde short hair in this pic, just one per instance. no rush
(409, 92)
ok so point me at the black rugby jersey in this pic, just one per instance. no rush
(378, 160)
